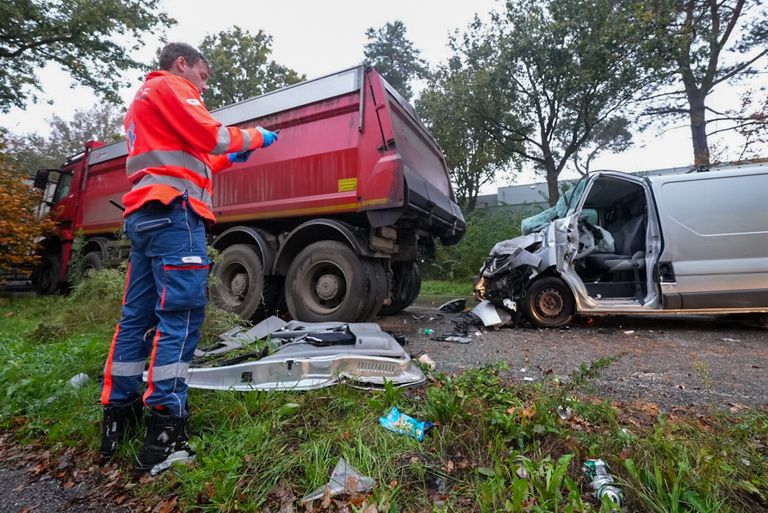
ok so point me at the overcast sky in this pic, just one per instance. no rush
(318, 38)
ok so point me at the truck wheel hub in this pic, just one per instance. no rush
(239, 284)
(327, 287)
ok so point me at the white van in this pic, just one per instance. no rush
(620, 243)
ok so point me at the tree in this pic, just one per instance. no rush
(570, 66)
(31, 152)
(454, 105)
(706, 43)
(752, 119)
(241, 67)
(78, 36)
(20, 227)
(611, 135)
(394, 56)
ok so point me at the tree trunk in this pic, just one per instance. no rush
(699, 130)
(552, 186)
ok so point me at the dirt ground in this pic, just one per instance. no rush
(673, 361)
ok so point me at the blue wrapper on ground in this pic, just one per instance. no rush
(404, 425)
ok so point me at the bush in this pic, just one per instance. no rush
(485, 228)
(96, 301)
(20, 226)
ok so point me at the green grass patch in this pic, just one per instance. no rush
(496, 446)
(446, 288)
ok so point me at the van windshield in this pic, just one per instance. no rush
(565, 206)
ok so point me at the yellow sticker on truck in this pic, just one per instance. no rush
(347, 184)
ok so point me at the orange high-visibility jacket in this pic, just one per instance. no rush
(174, 145)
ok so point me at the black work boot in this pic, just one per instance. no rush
(119, 421)
(166, 443)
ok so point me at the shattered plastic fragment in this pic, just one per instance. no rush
(453, 306)
(345, 479)
(426, 360)
(404, 424)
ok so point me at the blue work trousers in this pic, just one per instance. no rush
(166, 289)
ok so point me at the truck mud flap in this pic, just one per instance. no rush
(442, 212)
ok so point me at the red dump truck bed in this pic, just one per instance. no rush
(348, 143)
(354, 162)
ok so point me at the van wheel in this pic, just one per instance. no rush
(241, 285)
(407, 287)
(549, 302)
(327, 281)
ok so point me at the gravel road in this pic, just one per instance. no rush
(672, 361)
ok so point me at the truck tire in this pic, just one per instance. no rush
(377, 277)
(408, 281)
(241, 286)
(549, 302)
(327, 281)
(45, 279)
(91, 262)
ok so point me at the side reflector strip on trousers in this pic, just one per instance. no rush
(153, 357)
(163, 158)
(222, 141)
(128, 368)
(106, 390)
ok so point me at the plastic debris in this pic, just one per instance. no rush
(74, 382)
(426, 360)
(453, 306)
(528, 379)
(79, 380)
(460, 338)
(509, 305)
(629, 332)
(428, 331)
(487, 313)
(345, 479)
(564, 412)
(404, 424)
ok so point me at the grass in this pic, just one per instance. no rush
(496, 446)
(446, 288)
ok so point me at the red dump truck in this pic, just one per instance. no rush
(332, 220)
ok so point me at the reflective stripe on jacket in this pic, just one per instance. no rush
(174, 145)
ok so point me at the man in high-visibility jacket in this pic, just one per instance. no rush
(174, 149)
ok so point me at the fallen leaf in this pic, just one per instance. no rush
(166, 506)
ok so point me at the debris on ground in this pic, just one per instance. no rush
(345, 480)
(453, 306)
(275, 355)
(601, 481)
(460, 338)
(404, 424)
(494, 316)
(426, 360)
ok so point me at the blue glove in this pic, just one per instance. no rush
(239, 157)
(269, 137)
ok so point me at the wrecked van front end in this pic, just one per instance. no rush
(514, 264)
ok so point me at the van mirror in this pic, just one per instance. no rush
(41, 179)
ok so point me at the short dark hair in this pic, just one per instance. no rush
(173, 51)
